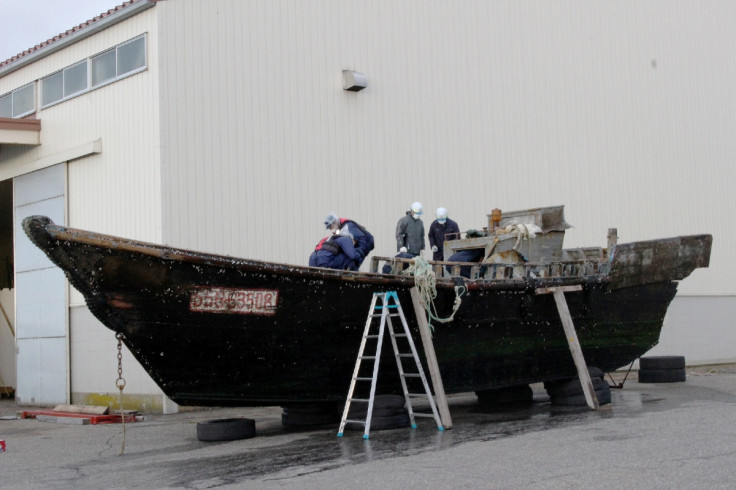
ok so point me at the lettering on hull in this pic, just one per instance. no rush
(235, 301)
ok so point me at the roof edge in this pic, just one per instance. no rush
(94, 26)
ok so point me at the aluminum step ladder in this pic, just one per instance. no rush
(384, 312)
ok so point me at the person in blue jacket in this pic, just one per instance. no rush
(438, 231)
(364, 241)
(336, 252)
(471, 255)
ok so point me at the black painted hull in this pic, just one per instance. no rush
(300, 344)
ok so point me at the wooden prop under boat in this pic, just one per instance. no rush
(222, 331)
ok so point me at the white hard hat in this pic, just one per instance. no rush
(416, 208)
(441, 213)
(330, 220)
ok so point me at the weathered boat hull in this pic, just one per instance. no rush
(214, 330)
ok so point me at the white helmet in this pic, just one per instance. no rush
(330, 220)
(441, 214)
(416, 208)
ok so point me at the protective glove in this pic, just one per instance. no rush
(403, 250)
(434, 248)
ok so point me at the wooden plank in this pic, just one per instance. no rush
(86, 409)
(434, 370)
(612, 240)
(475, 272)
(564, 289)
(93, 419)
(64, 420)
(374, 264)
(574, 344)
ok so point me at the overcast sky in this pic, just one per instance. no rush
(25, 23)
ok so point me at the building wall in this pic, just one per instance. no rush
(623, 112)
(94, 367)
(7, 339)
(239, 139)
(115, 191)
(700, 328)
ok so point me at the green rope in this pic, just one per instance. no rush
(426, 284)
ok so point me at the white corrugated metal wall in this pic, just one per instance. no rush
(623, 112)
(116, 191)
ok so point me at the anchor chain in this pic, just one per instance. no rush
(120, 383)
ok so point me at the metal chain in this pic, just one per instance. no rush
(120, 383)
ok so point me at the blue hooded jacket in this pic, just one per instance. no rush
(364, 241)
(337, 252)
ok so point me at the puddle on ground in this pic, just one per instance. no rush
(322, 450)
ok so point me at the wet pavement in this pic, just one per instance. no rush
(665, 435)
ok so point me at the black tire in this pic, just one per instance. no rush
(604, 398)
(391, 402)
(383, 423)
(662, 362)
(377, 412)
(226, 429)
(662, 375)
(593, 372)
(511, 394)
(574, 387)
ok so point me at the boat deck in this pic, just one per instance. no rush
(569, 268)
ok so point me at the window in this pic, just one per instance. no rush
(116, 63)
(6, 105)
(75, 79)
(24, 101)
(131, 56)
(18, 103)
(52, 88)
(103, 68)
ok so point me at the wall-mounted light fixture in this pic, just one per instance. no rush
(353, 81)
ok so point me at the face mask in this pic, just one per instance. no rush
(442, 221)
(415, 215)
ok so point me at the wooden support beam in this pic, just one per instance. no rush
(7, 320)
(572, 341)
(434, 370)
(564, 289)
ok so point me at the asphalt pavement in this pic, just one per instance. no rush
(661, 435)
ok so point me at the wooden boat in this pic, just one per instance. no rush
(224, 331)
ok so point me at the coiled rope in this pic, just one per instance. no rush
(426, 284)
(523, 232)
